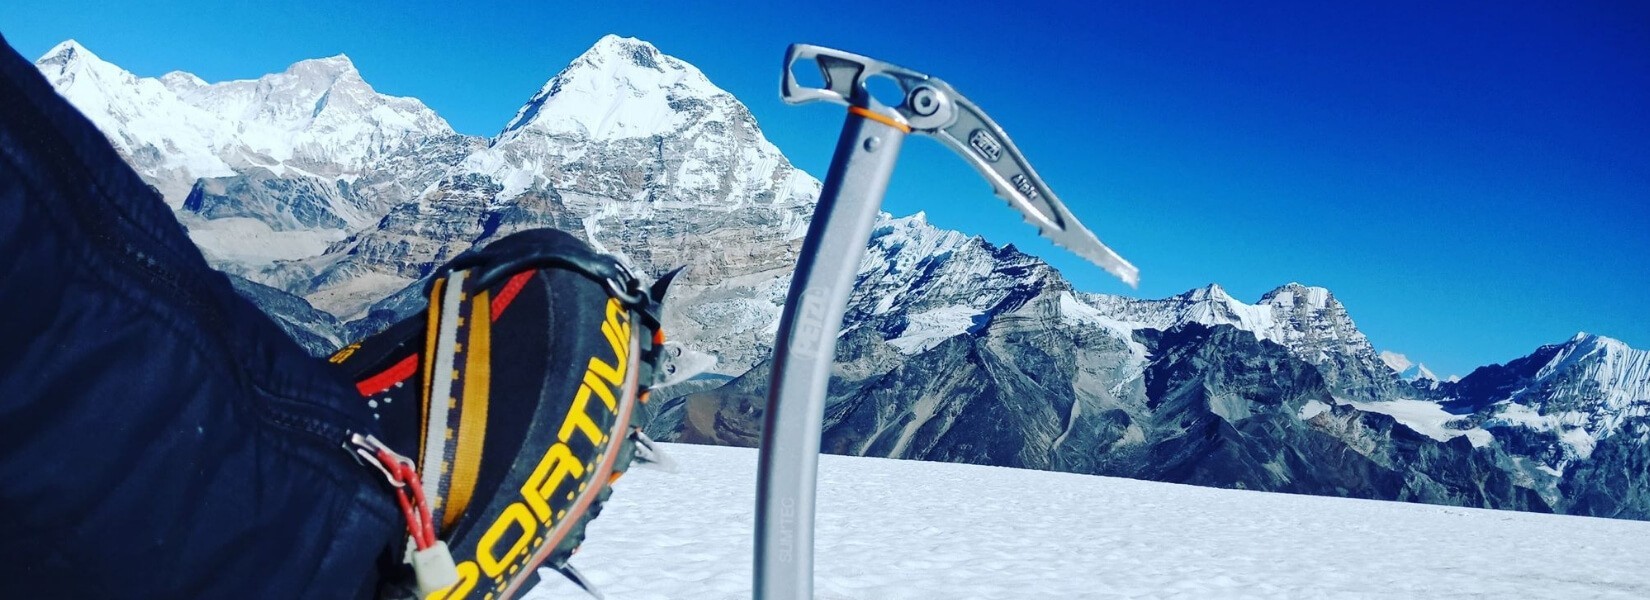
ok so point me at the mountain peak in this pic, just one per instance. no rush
(65, 51)
(182, 80)
(336, 66)
(1593, 338)
(1295, 294)
(620, 88)
(68, 56)
(1396, 361)
(1405, 368)
(1212, 291)
(177, 128)
(625, 50)
(1591, 342)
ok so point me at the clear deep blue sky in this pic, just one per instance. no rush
(1470, 179)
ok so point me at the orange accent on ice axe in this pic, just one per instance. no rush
(855, 110)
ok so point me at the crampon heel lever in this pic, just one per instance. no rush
(825, 270)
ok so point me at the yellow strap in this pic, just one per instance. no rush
(472, 420)
(430, 333)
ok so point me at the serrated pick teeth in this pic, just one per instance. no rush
(1090, 248)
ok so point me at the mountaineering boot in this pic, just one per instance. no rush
(516, 396)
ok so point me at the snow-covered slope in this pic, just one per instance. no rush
(169, 141)
(1576, 393)
(263, 169)
(1406, 369)
(1596, 374)
(319, 117)
(891, 529)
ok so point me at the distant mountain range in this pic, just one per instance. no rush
(329, 203)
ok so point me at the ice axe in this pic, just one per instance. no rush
(841, 227)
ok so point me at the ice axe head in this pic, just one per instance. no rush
(931, 107)
(827, 266)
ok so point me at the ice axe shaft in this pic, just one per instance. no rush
(803, 353)
(848, 203)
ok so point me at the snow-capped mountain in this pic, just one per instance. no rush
(326, 195)
(168, 141)
(1560, 401)
(291, 161)
(1406, 369)
(910, 260)
(640, 154)
(1590, 381)
(318, 118)
(1307, 320)
(358, 198)
(616, 104)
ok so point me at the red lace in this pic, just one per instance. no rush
(420, 525)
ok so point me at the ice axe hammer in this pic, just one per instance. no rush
(841, 227)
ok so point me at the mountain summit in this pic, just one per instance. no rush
(66, 54)
(1406, 369)
(619, 88)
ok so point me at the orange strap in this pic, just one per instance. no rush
(855, 110)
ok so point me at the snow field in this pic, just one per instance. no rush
(893, 529)
(1426, 418)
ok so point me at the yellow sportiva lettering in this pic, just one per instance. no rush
(578, 418)
(514, 515)
(467, 577)
(557, 469)
(558, 464)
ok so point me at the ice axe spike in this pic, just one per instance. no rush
(806, 344)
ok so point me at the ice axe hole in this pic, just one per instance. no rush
(886, 90)
(807, 74)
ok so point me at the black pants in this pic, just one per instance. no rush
(159, 436)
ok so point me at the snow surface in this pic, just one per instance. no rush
(1426, 418)
(928, 328)
(892, 529)
(1311, 409)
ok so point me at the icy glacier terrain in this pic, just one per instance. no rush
(894, 529)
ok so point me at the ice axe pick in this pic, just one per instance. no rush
(841, 227)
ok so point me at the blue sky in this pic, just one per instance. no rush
(1471, 180)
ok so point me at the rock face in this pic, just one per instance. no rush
(329, 204)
